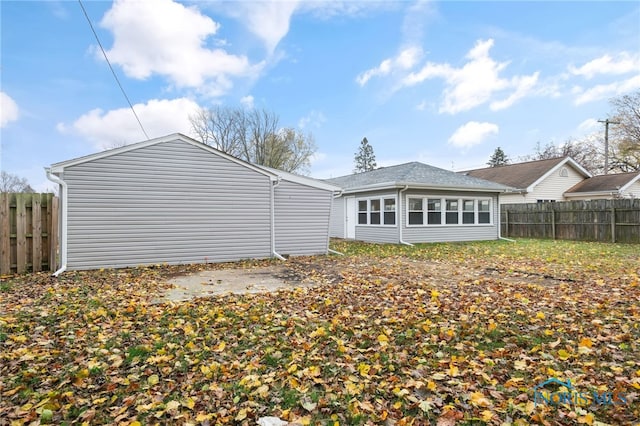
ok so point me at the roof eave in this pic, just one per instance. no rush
(413, 185)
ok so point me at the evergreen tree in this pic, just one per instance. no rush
(365, 159)
(498, 158)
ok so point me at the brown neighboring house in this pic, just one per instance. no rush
(617, 185)
(535, 181)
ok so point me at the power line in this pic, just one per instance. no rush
(606, 142)
(112, 70)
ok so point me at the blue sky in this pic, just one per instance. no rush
(444, 83)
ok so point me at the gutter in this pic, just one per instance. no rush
(273, 183)
(500, 237)
(63, 220)
(400, 216)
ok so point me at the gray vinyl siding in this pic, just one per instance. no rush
(301, 219)
(171, 203)
(442, 233)
(336, 227)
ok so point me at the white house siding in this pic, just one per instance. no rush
(336, 227)
(169, 202)
(633, 191)
(552, 187)
(302, 219)
(442, 233)
(377, 233)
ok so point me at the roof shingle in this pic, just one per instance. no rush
(520, 175)
(604, 183)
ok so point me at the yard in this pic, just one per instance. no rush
(441, 334)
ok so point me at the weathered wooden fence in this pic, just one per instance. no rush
(28, 232)
(595, 220)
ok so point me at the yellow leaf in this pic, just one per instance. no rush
(242, 414)
(172, 405)
(479, 400)
(363, 369)
(320, 332)
(586, 342)
(153, 380)
(439, 376)
(135, 423)
(189, 403)
(431, 386)
(453, 371)
(383, 340)
(491, 326)
(435, 294)
(586, 419)
(201, 417)
(540, 315)
(564, 355)
(220, 347)
(520, 365)
(486, 415)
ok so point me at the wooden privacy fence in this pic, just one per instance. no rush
(28, 232)
(595, 220)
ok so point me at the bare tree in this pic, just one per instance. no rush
(13, 183)
(624, 151)
(254, 136)
(587, 152)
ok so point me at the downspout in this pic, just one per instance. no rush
(500, 237)
(63, 220)
(400, 215)
(273, 185)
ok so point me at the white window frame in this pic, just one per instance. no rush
(443, 210)
(381, 199)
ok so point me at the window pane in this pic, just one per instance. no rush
(389, 218)
(415, 218)
(390, 204)
(484, 217)
(415, 203)
(452, 205)
(467, 205)
(434, 218)
(362, 205)
(375, 205)
(374, 219)
(452, 217)
(468, 217)
(433, 204)
(483, 205)
(362, 218)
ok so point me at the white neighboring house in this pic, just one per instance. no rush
(617, 185)
(535, 181)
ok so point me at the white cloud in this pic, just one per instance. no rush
(622, 64)
(268, 20)
(247, 101)
(472, 133)
(588, 125)
(405, 60)
(116, 127)
(8, 109)
(476, 82)
(166, 38)
(314, 118)
(603, 91)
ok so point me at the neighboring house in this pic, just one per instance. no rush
(535, 181)
(415, 202)
(618, 185)
(175, 200)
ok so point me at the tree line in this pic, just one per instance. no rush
(623, 150)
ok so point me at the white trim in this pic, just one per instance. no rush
(400, 185)
(443, 211)
(628, 184)
(380, 198)
(62, 221)
(552, 170)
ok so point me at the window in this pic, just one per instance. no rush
(484, 211)
(434, 211)
(362, 212)
(416, 215)
(389, 211)
(377, 211)
(449, 211)
(468, 211)
(545, 201)
(452, 212)
(374, 212)
(564, 172)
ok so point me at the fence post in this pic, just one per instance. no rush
(613, 223)
(506, 223)
(5, 231)
(553, 223)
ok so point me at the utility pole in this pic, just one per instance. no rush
(606, 142)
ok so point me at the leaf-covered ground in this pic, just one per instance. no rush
(434, 334)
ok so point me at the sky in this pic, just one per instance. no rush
(444, 83)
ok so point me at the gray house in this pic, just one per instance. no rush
(413, 203)
(175, 200)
